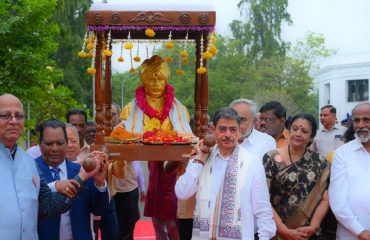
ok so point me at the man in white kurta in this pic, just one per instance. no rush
(230, 186)
(349, 192)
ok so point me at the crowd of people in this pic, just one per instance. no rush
(267, 177)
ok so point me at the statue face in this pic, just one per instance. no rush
(154, 84)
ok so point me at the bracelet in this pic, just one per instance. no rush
(195, 160)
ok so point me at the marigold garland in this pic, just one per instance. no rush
(150, 32)
(184, 53)
(201, 70)
(142, 103)
(168, 59)
(180, 72)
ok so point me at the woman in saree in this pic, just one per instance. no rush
(298, 181)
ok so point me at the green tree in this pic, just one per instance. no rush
(70, 17)
(27, 35)
(260, 30)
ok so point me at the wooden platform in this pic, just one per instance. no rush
(143, 152)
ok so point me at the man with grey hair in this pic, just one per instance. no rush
(348, 195)
(252, 140)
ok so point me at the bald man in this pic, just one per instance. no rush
(24, 194)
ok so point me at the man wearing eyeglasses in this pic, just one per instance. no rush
(25, 195)
(272, 119)
(230, 186)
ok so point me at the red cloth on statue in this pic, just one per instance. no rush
(161, 200)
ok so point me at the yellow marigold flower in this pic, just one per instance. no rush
(207, 55)
(121, 59)
(107, 53)
(201, 70)
(91, 70)
(128, 46)
(184, 54)
(180, 72)
(149, 32)
(132, 70)
(185, 60)
(213, 50)
(168, 44)
(90, 46)
(90, 55)
(82, 54)
(137, 59)
(168, 59)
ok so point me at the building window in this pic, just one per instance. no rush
(358, 90)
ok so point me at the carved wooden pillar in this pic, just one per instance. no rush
(99, 117)
(204, 93)
(108, 97)
(197, 88)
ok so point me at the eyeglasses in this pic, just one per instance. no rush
(224, 129)
(8, 117)
(268, 119)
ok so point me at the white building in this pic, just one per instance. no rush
(344, 81)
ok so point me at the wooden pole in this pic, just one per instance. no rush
(197, 88)
(204, 93)
(108, 97)
(99, 117)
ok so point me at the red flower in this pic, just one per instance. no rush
(169, 97)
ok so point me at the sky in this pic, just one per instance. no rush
(345, 24)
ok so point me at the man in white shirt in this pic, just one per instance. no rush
(230, 186)
(349, 192)
(255, 142)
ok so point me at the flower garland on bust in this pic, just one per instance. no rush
(169, 97)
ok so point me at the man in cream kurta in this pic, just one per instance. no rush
(230, 186)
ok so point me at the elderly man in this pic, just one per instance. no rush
(94, 198)
(78, 118)
(25, 195)
(349, 192)
(253, 141)
(330, 137)
(73, 146)
(221, 213)
(155, 106)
